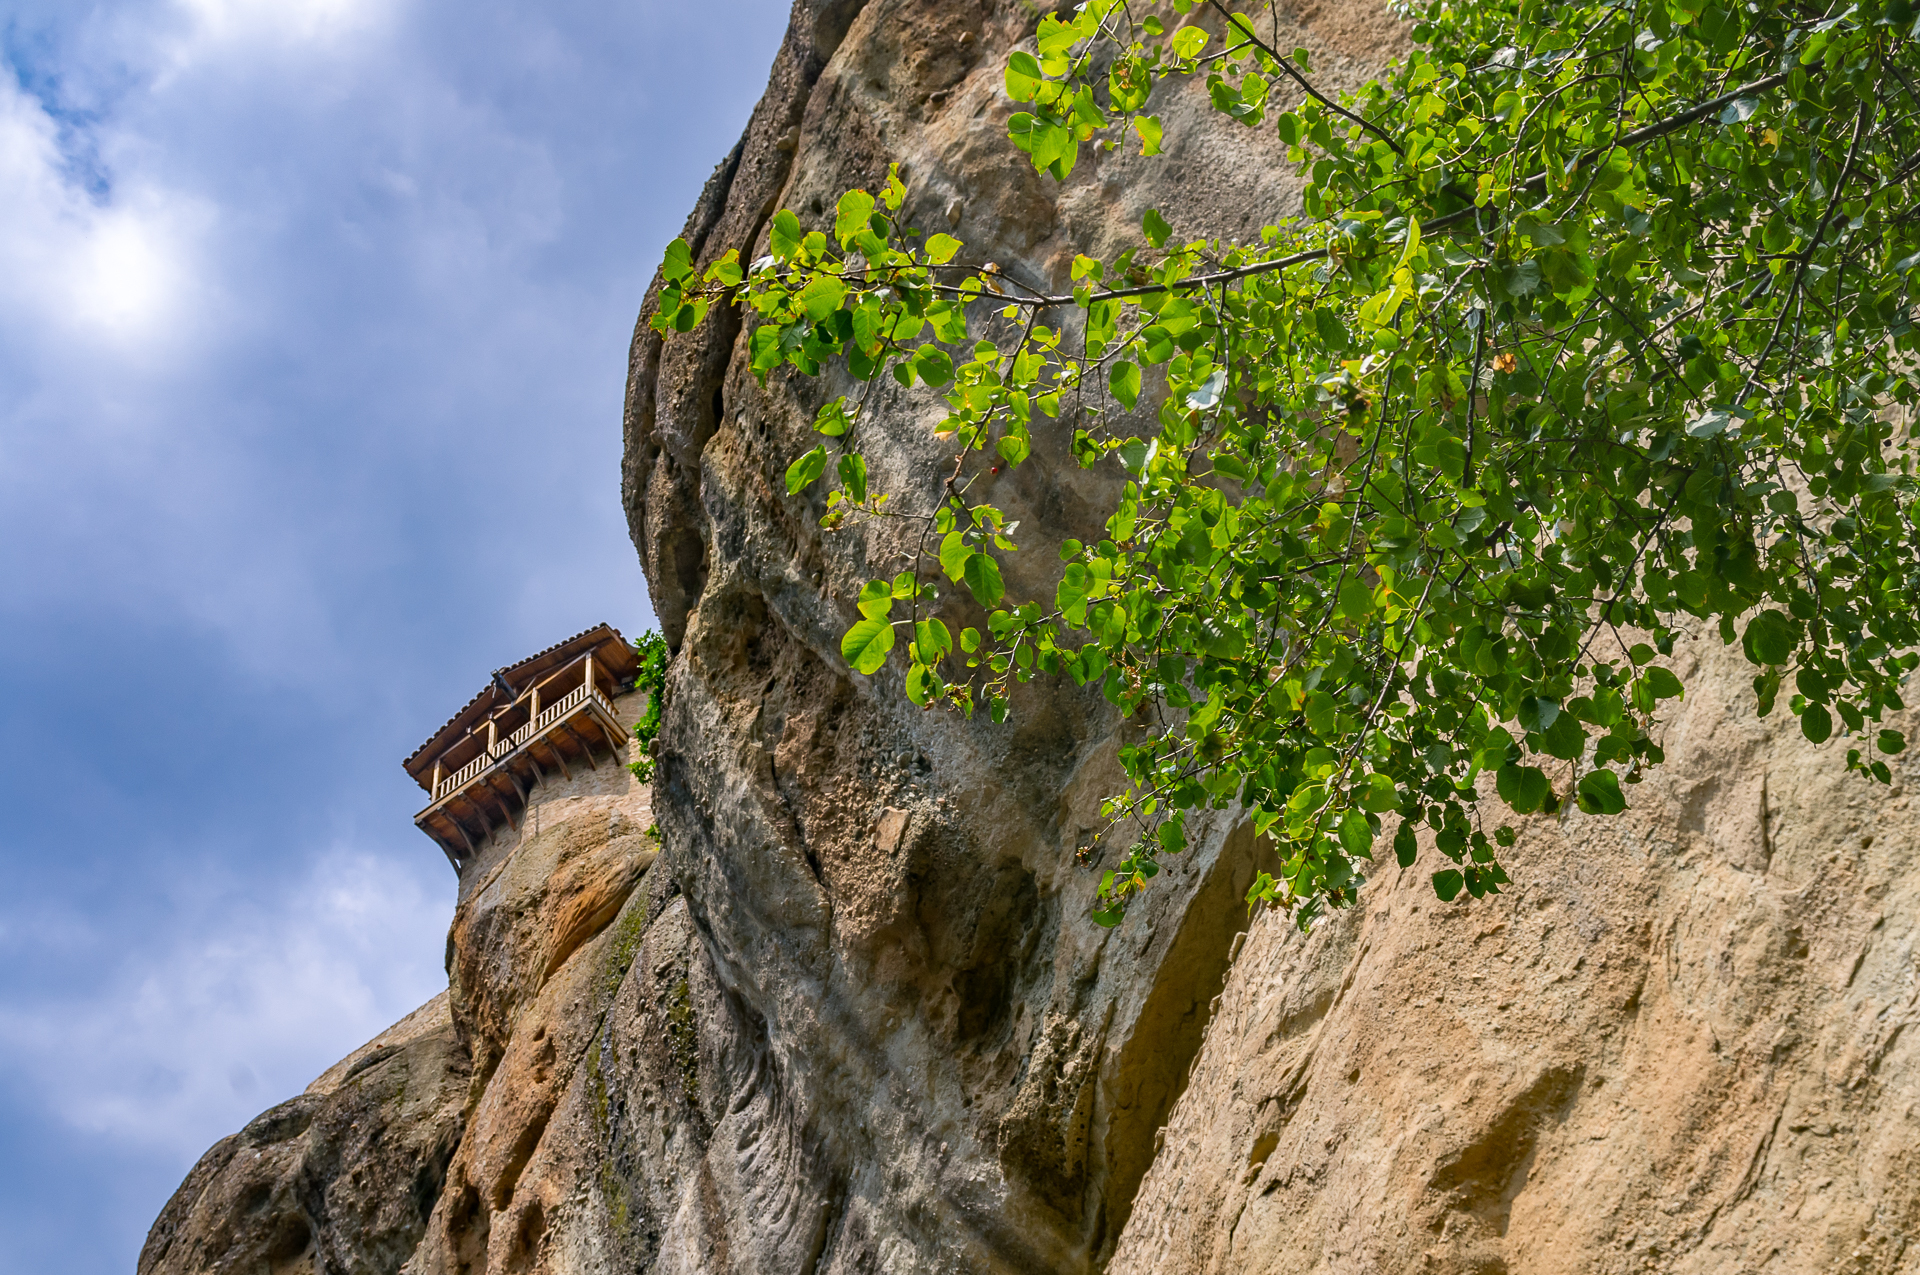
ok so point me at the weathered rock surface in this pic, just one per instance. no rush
(854, 1018)
(340, 1178)
(1683, 1043)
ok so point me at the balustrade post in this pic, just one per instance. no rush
(438, 769)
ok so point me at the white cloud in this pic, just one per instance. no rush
(218, 24)
(242, 1011)
(120, 272)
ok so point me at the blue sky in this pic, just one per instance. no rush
(313, 327)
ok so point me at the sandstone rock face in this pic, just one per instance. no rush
(1683, 1043)
(854, 1018)
(341, 1178)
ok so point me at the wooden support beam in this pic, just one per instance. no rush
(586, 745)
(473, 801)
(506, 807)
(480, 807)
(560, 756)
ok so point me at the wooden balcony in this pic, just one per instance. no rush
(545, 718)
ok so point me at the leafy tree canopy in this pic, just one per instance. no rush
(1596, 330)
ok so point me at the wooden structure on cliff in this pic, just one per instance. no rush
(546, 715)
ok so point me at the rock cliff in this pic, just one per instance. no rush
(855, 1019)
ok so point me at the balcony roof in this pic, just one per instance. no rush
(610, 652)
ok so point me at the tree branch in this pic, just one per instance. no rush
(1535, 183)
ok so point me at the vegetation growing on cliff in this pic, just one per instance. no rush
(1596, 330)
(651, 679)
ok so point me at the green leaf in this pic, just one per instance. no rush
(822, 296)
(982, 575)
(1525, 788)
(1892, 741)
(679, 262)
(1564, 739)
(1406, 846)
(1522, 279)
(1709, 424)
(853, 475)
(1771, 637)
(803, 471)
(1207, 393)
(866, 644)
(941, 249)
(1664, 684)
(1024, 76)
(1148, 127)
(933, 365)
(933, 639)
(1356, 600)
(1538, 712)
(1378, 794)
(954, 555)
(1156, 227)
(1599, 793)
(1123, 378)
(784, 235)
(1447, 883)
(876, 600)
(1356, 834)
(920, 684)
(852, 215)
(832, 419)
(1816, 724)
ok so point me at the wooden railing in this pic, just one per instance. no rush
(552, 714)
